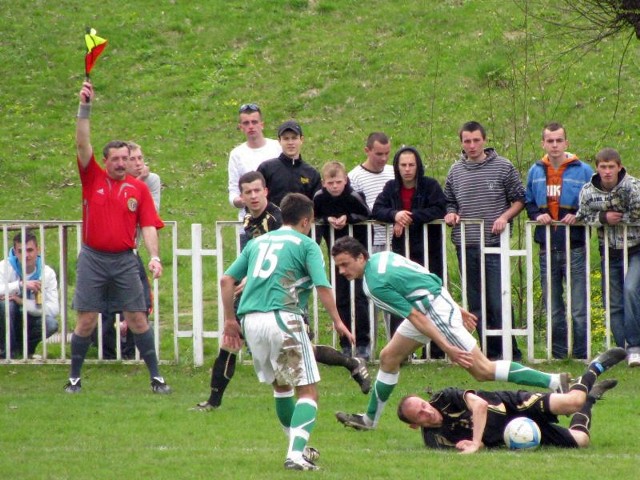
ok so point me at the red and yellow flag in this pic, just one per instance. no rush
(95, 46)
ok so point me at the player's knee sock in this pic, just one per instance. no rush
(380, 393)
(145, 344)
(302, 422)
(585, 382)
(285, 406)
(330, 356)
(581, 420)
(515, 372)
(79, 348)
(224, 367)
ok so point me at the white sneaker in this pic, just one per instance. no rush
(634, 359)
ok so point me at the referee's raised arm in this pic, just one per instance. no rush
(83, 140)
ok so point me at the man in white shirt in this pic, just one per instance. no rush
(371, 176)
(248, 155)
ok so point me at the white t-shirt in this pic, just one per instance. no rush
(243, 159)
(371, 184)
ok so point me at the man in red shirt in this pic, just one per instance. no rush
(113, 205)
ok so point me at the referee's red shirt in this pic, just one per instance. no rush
(112, 209)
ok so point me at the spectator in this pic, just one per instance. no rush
(337, 205)
(247, 156)
(41, 287)
(370, 177)
(409, 202)
(483, 185)
(289, 173)
(552, 195)
(610, 201)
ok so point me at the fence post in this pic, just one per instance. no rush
(507, 305)
(196, 293)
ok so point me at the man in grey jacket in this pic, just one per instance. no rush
(611, 201)
(483, 185)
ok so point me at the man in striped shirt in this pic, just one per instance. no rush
(483, 185)
(370, 178)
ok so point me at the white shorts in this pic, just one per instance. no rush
(446, 315)
(281, 349)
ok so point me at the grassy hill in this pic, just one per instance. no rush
(175, 72)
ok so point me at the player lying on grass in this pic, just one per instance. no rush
(407, 289)
(470, 420)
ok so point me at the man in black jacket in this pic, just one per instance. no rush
(409, 201)
(289, 173)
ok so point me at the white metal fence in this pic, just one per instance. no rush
(185, 300)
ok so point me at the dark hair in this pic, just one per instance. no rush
(608, 155)
(251, 177)
(349, 245)
(472, 127)
(377, 137)
(554, 127)
(295, 207)
(28, 237)
(113, 144)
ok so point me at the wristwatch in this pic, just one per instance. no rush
(157, 259)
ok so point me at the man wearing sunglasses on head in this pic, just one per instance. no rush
(248, 155)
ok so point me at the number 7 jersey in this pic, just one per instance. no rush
(281, 267)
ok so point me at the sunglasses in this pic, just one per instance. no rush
(249, 107)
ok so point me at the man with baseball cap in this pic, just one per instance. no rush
(289, 173)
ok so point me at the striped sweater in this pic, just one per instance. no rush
(370, 184)
(481, 190)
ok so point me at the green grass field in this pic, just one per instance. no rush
(116, 428)
(172, 78)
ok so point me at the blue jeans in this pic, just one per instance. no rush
(624, 305)
(34, 329)
(493, 297)
(559, 266)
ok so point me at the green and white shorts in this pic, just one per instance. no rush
(281, 349)
(446, 315)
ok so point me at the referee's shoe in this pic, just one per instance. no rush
(158, 385)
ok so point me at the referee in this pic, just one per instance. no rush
(114, 204)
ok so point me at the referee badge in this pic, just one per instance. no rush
(132, 204)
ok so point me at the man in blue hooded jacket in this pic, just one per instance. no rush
(553, 195)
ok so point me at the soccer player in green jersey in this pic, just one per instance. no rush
(408, 290)
(282, 267)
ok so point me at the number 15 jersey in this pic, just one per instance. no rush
(281, 267)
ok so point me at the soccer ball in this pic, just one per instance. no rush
(521, 433)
